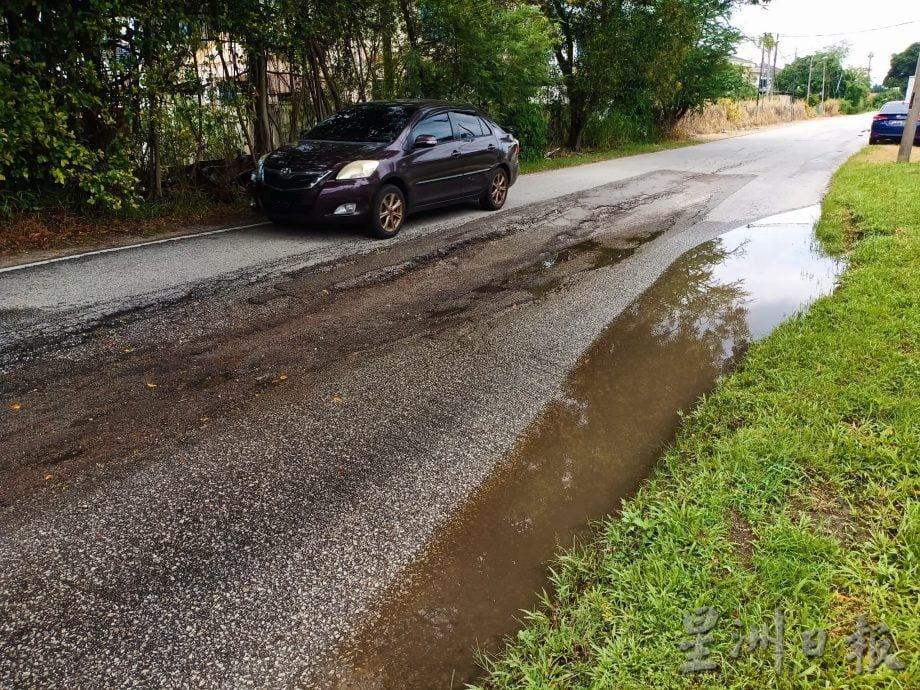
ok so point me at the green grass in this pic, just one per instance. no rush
(795, 485)
(569, 160)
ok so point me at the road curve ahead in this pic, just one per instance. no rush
(225, 449)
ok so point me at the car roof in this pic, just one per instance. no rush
(424, 103)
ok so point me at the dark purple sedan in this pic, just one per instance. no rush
(374, 163)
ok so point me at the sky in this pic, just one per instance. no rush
(803, 27)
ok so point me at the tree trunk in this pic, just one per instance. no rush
(389, 90)
(154, 172)
(236, 107)
(578, 114)
(258, 78)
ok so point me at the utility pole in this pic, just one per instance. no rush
(760, 74)
(823, 79)
(811, 63)
(910, 126)
(871, 55)
(775, 56)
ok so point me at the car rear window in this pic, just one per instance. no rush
(375, 122)
(466, 126)
(894, 108)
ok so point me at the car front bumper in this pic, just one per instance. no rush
(317, 204)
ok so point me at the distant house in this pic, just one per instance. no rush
(751, 69)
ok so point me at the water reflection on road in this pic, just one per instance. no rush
(591, 447)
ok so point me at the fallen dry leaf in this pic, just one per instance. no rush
(337, 398)
(128, 349)
(151, 384)
(49, 477)
(15, 406)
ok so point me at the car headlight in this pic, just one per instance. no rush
(357, 170)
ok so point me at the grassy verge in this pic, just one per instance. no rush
(571, 159)
(794, 486)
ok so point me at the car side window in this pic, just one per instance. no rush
(466, 126)
(436, 125)
(485, 127)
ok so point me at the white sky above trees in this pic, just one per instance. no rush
(799, 23)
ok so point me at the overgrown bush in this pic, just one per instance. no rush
(528, 123)
(887, 95)
(617, 127)
(39, 148)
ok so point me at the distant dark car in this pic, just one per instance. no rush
(888, 125)
(376, 162)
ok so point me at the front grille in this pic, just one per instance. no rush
(298, 179)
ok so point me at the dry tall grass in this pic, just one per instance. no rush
(726, 115)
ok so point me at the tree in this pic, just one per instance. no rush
(825, 68)
(490, 52)
(649, 58)
(902, 67)
(695, 58)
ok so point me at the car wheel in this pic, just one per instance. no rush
(276, 220)
(496, 191)
(873, 141)
(388, 212)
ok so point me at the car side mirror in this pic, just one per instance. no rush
(425, 141)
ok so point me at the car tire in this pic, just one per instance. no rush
(873, 141)
(388, 213)
(496, 192)
(275, 220)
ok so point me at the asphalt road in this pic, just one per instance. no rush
(227, 447)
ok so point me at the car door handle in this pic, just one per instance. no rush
(492, 147)
(455, 154)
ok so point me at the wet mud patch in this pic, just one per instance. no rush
(829, 513)
(554, 270)
(591, 447)
(741, 535)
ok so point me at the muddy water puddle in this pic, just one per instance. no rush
(592, 447)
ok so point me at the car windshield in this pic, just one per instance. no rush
(894, 108)
(376, 122)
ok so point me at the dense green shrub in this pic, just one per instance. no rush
(616, 127)
(40, 149)
(528, 123)
(887, 95)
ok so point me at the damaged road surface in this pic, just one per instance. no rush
(218, 488)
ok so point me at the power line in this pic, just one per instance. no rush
(857, 31)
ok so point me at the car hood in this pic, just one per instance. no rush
(311, 154)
